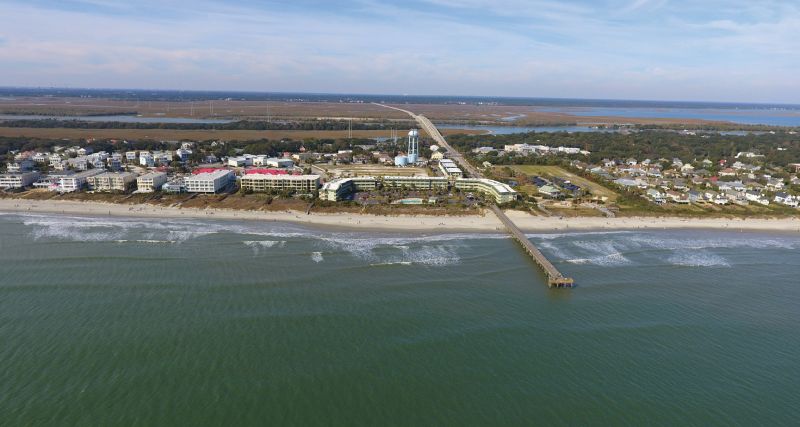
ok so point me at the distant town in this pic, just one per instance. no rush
(367, 173)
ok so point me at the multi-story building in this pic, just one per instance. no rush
(280, 163)
(262, 183)
(416, 182)
(341, 188)
(75, 182)
(183, 154)
(19, 166)
(54, 159)
(18, 180)
(502, 193)
(151, 182)
(338, 189)
(114, 163)
(175, 186)
(241, 161)
(111, 181)
(79, 163)
(147, 160)
(208, 182)
(449, 169)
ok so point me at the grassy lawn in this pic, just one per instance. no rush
(555, 171)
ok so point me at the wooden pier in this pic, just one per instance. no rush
(554, 277)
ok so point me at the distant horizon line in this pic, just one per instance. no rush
(355, 94)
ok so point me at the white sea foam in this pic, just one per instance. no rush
(677, 249)
(317, 257)
(147, 241)
(572, 234)
(380, 264)
(698, 259)
(258, 245)
(423, 250)
(265, 243)
(605, 253)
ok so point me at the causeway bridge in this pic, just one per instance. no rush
(554, 277)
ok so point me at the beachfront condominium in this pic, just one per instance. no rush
(208, 182)
(416, 182)
(18, 180)
(111, 181)
(75, 182)
(342, 188)
(502, 193)
(151, 182)
(260, 183)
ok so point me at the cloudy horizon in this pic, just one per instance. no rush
(726, 51)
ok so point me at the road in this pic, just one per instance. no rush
(428, 126)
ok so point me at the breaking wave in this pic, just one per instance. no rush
(258, 245)
(679, 249)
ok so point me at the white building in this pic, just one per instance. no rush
(208, 182)
(76, 182)
(39, 158)
(146, 160)
(280, 163)
(151, 182)
(340, 188)
(54, 159)
(260, 160)
(79, 163)
(240, 162)
(183, 154)
(449, 168)
(787, 199)
(416, 182)
(18, 166)
(502, 193)
(18, 180)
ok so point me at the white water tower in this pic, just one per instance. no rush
(413, 146)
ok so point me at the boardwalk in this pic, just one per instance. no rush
(554, 277)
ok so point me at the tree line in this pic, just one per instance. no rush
(780, 148)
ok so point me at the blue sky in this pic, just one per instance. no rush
(715, 50)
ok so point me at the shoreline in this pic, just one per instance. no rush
(401, 223)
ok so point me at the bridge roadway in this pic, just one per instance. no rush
(554, 277)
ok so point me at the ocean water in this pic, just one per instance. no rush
(113, 321)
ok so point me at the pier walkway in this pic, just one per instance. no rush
(554, 277)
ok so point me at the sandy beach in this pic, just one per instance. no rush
(477, 223)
